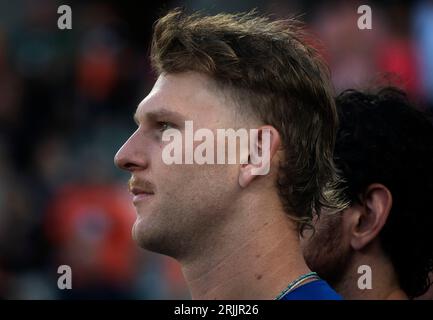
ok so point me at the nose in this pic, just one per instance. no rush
(131, 156)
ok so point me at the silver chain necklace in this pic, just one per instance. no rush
(295, 283)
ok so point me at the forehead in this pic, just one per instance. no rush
(189, 95)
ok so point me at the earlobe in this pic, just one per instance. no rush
(262, 148)
(245, 176)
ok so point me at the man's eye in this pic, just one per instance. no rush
(162, 126)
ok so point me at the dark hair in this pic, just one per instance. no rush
(269, 70)
(383, 139)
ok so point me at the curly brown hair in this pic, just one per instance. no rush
(270, 72)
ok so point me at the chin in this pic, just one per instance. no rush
(141, 233)
(151, 238)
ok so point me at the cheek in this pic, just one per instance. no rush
(327, 234)
(201, 185)
(305, 238)
(188, 181)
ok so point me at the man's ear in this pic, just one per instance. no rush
(369, 217)
(263, 146)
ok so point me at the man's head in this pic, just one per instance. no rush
(229, 71)
(384, 150)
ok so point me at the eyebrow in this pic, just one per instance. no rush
(157, 114)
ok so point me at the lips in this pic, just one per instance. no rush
(140, 194)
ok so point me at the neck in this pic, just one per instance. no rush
(385, 285)
(253, 260)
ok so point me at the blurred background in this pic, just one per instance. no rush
(66, 103)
